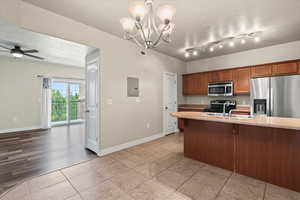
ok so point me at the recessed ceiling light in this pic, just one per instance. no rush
(243, 41)
(195, 53)
(231, 44)
(257, 39)
(211, 49)
(186, 54)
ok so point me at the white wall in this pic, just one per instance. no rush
(125, 120)
(20, 90)
(282, 52)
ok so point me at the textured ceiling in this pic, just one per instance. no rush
(197, 21)
(54, 50)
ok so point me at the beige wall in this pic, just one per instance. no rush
(125, 120)
(20, 96)
(287, 51)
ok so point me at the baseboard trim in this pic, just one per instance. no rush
(129, 144)
(15, 130)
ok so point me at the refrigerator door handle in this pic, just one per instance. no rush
(271, 102)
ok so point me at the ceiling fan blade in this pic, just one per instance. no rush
(36, 57)
(6, 51)
(31, 51)
(4, 47)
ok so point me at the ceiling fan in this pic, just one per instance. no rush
(17, 52)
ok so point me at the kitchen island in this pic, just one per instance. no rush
(266, 148)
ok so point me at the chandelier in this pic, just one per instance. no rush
(142, 27)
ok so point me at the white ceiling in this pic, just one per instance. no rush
(54, 50)
(197, 21)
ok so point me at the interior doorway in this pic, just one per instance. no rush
(67, 102)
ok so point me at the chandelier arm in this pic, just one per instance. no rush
(143, 35)
(166, 27)
(131, 37)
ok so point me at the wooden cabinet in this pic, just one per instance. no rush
(195, 84)
(285, 68)
(241, 78)
(269, 154)
(204, 141)
(221, 75)
(261, 71)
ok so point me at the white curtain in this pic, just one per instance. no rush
(46, 103)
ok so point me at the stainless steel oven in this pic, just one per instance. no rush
(220, 89)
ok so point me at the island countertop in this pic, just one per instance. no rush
(263, 121)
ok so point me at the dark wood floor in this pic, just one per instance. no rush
(23, 155)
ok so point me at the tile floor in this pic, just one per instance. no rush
(153, 171)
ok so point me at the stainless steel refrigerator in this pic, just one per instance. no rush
(276, 96)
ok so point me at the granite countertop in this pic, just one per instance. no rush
(264, 121)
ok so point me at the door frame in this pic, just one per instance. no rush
(165, 74)
(94, 57)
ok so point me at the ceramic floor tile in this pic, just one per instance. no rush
(217, 170)
(278, 193)
(60, 191)
(21, 191)
(114, 169)
(104, 191)
(171, 179)
(77, 170)
(151, 190)
(86, 181)
(203, 185)
(44, 181)
(187, 167)
(244, 188)
(129, 180)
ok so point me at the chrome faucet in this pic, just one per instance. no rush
(224, 108)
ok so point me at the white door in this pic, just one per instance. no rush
(170, 102)
(92, 102)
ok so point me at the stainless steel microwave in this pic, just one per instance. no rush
(220, 89)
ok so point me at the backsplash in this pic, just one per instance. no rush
(241, 99)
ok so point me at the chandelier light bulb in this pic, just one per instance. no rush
(211, 49)
(243, 41)
(128, 24)
(257, 39)
(138, 10)
(195, 53)
(221, 46)
(186, 54)
(231, 44)
(166, 13)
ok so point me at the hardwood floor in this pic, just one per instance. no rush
(27, 154)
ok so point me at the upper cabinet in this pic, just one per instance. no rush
(285, 68)
(241, 79)
(195, 84)
(219, 76)
(261, 71)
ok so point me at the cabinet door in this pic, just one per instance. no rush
(185, 84)
(285, 68)
(204, 83)
(222, 75)
(261, 71)
(241, 80)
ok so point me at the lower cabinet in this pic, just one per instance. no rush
(269, 154)
(210, 145)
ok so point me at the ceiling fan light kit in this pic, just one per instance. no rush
(220, 44)
(142, 27)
